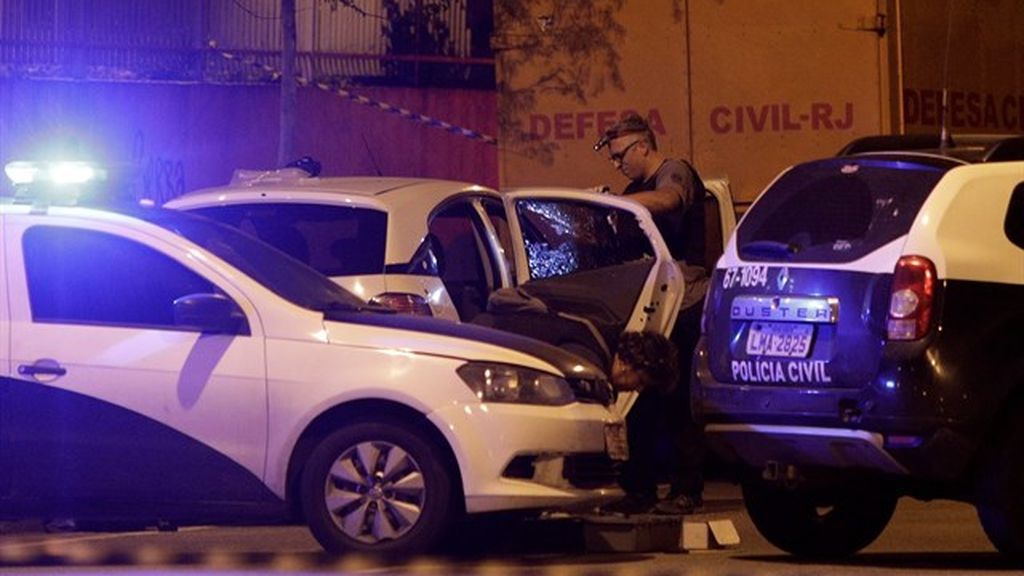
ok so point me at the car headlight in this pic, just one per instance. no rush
(514, 384)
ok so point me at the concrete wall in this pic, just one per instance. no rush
(742, 88)
(983, 66)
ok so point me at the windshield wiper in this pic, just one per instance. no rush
(338, 306)
(768, 250)
(376, 308)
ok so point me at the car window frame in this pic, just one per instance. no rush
(28, 235)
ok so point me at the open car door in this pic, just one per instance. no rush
(595, 256)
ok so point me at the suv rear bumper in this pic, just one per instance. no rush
(899, 431)
(761, 446)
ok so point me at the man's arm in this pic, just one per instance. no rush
(658, 201)
(674, 188)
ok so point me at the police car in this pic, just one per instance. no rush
(159, 366)
(862, 342)
(441, 248)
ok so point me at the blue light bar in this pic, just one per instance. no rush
(62, 173)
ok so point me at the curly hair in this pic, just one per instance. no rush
(652, 355)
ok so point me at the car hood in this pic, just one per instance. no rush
(468, 341)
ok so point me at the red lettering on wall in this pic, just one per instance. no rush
(584, 123)
(956, 110)
(991, 120)
(540, 126)
(758, 119)
(787, 122)
(605, 119)
(973, 109)
(821, 115)
(847, 122)
(1009, 112)
(720, 116)
(655, 122)
(911, 107)
(779, 118)
(970, 110)
(929, 107)
(563, 125)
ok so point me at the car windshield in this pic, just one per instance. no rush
(277, 271)
(836, 210)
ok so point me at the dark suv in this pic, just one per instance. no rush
(862, 342)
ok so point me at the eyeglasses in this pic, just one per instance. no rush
(617, 157)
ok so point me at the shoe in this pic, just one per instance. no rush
(631, 504)
(680, 505)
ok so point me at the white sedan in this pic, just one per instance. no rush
(161, 366)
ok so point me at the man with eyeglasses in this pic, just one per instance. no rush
(661, 431)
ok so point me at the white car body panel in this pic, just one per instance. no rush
(211, 388)
(960, 248)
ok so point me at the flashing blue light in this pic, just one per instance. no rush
(63, 173)
(21, 173)
(890, 384)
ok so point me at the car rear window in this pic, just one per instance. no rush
(334, 240)
(835, 210)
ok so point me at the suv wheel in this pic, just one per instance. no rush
(827, 524)
(1001, 496)
(376, 487)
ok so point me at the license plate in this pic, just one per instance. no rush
(785, 339)
(615, 440)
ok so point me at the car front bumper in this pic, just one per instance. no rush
(531, 457)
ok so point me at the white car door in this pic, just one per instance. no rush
(596, 256)
(111, 400)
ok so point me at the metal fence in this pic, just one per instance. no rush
(396, 42)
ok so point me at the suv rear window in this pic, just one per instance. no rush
(835, 210)
(334, 240)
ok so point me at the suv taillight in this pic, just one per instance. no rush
(404, 303)
(910, 305)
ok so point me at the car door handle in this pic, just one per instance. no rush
(42, 370)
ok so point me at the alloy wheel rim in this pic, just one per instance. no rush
(375, 492)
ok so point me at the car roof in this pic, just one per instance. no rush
(963, 148)
(407, 201)
(387, 193)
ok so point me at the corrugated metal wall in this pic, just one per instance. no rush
(168, 40)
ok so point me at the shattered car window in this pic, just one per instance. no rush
(563, 238)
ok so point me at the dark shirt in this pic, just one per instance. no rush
(683, 227)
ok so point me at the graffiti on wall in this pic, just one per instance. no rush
(157, 178)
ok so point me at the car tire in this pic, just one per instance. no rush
(832, 523)
(377, 488)
(1000, 501)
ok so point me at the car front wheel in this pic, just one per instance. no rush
(376, 487)
(827, 523)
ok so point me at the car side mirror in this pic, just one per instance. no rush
(210, 314)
